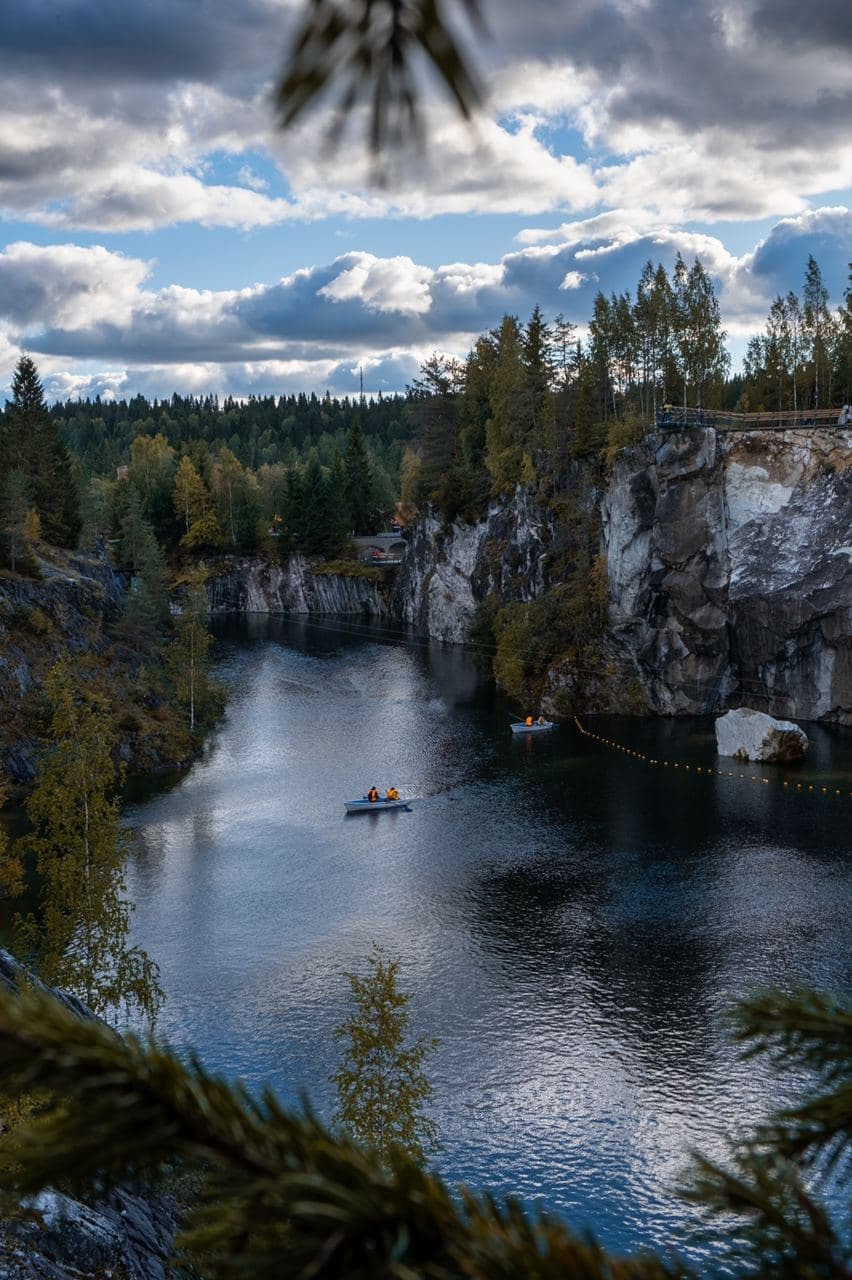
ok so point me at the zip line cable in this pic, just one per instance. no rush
(351, 628)
(706, 771)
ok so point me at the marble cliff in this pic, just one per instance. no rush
(729, 560)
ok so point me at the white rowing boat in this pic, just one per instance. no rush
(373, 806)
(535, 727)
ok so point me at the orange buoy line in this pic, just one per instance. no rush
(707, 772)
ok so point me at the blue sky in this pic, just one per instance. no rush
(159, 233)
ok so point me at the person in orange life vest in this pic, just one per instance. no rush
(392, 794)
(372, 795)
(528, 721)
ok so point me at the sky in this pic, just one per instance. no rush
(160, 233)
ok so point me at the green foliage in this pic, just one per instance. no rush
(187, 655)
(281, 1196)
(33, 619)
(563, 622)
(14, 507)
(360, 500)
(803, 358)
(381, 1087)
(236, 498)
(29, 442)
(11, 867)
(774, 1174)
(348, 569)
(79, 940)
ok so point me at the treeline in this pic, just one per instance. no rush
(260, 431)
(199, 502)
(168, 499)
(38, 498)
(530, 400)
(803, 358)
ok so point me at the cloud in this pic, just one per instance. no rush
(75, 306)
(111, 116)
(826, 233)
(158, 40)
(67, 285)
(388, 284)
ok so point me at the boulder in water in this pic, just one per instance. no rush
(752, 735)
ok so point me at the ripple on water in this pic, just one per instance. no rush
(572, 925)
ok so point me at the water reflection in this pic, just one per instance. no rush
(573, 923)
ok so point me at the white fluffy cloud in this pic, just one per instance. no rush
(68, 286)
(91, 320)
(389, 284)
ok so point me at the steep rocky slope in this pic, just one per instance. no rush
(448, 571)
(61, 612)
(250, 584)
(729, 560)
(730, 570)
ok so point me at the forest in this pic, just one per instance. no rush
(302, 473)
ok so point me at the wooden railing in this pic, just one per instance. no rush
(673, 418)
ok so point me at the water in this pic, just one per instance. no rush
(572, 923)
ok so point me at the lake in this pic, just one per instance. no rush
(572, 922)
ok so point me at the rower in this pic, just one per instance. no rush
(373, 795)
(392, 793)
(529, 722)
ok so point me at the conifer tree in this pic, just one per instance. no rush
(538, 377)
(434, 396)
(293, 513)
(699, 336)
(32, 439)
(339, 520)
(79, 939)
(359, 481)
(14, 505)
(279, 1195)
(188, 653)
(817, 328)
(145, 608)
(381, 1087)
(135, 530)
(316, 506)
(475, 411)
(505, 429)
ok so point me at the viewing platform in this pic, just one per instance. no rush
(672, 418)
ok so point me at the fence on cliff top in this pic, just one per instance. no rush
(671, 418)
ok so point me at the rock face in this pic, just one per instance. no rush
(730, 570)
(61, 612)
(124, 1234)
(448, 572)
(751, 735)
(729, 560)
(252, 585)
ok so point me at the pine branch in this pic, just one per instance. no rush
(805, 1030)
(366, 51)
(800, 1028)
(782, 1232)
(282, 1196)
